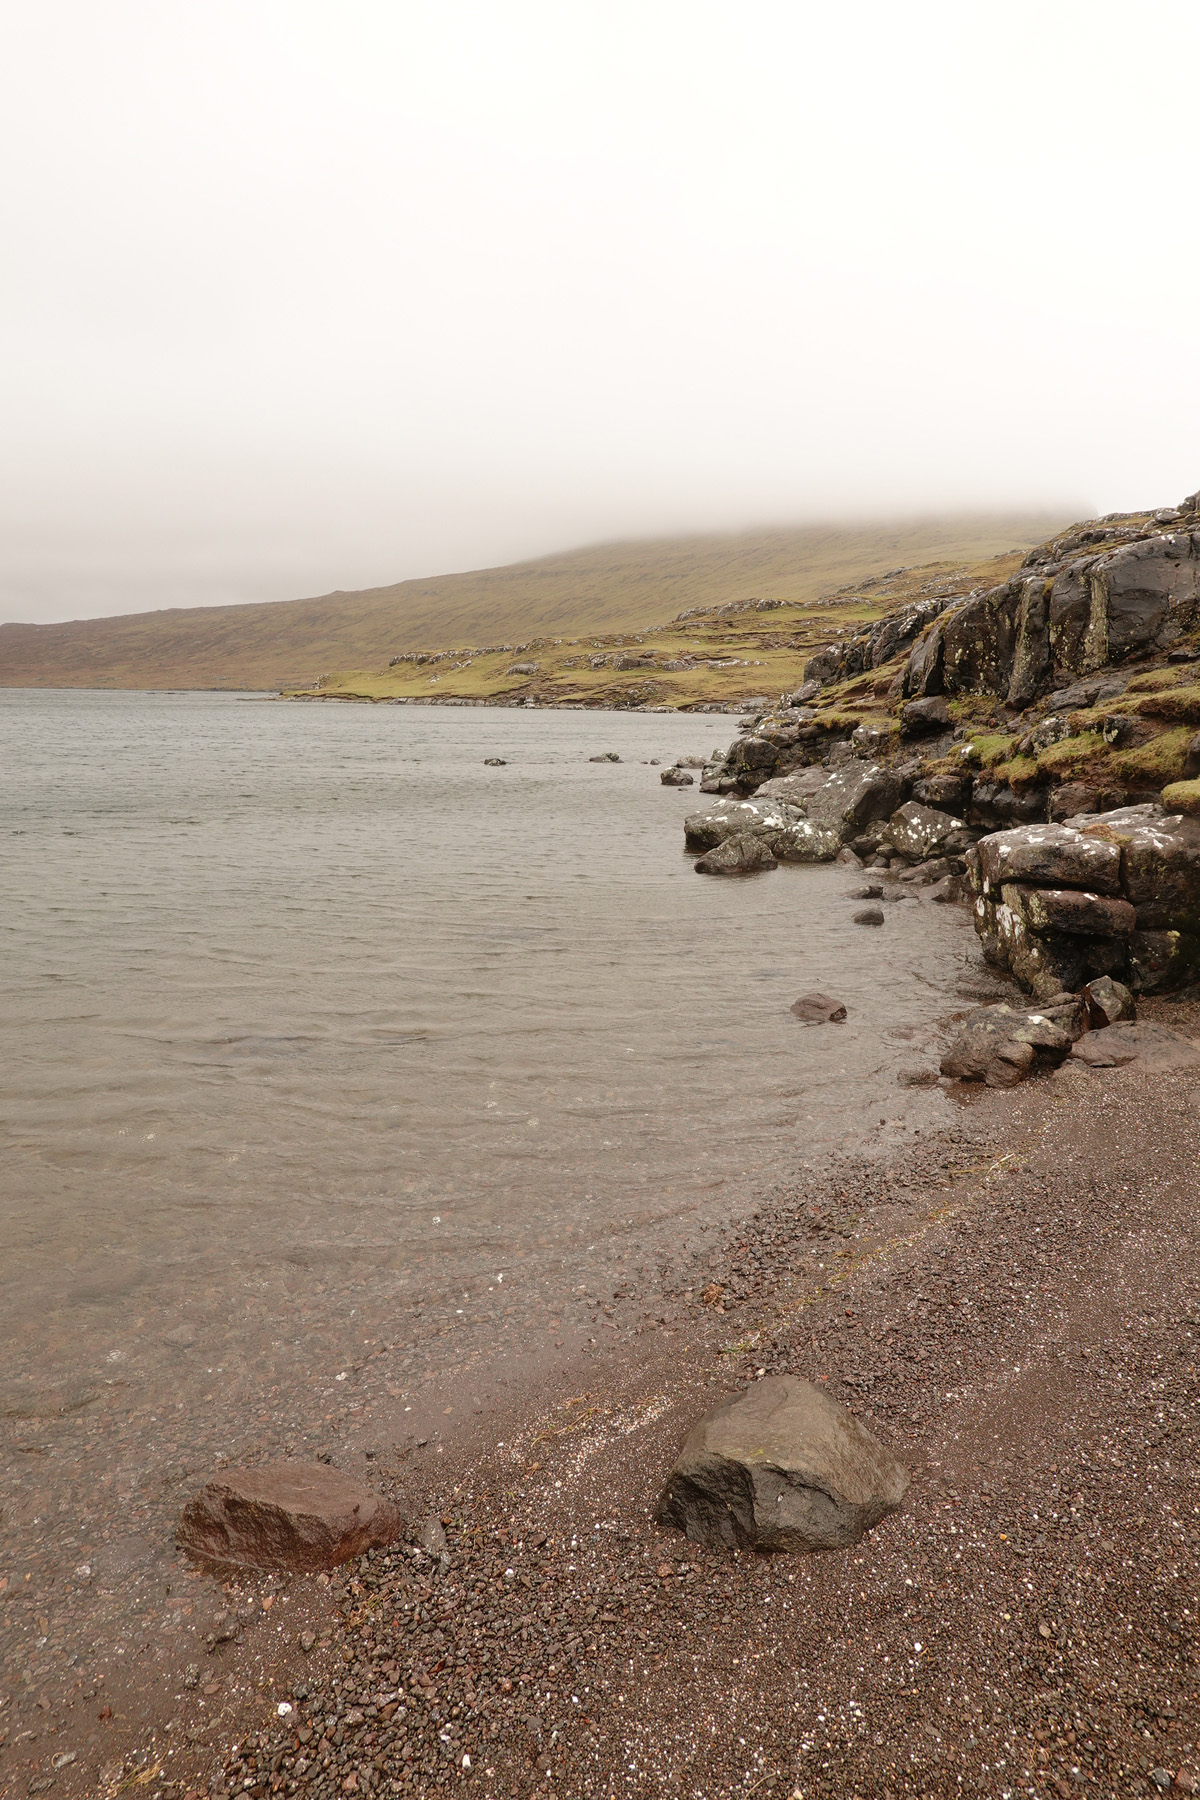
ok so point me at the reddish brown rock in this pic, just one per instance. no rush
(292, 1515)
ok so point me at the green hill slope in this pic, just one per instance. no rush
(603, 588)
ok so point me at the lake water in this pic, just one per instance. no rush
(322, 1042)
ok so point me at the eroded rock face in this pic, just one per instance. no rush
(1114, 894)
(781, 1467)
(1064, 623)
(292, 1515)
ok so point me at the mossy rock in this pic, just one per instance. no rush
(1181, 705)
(1182, 796)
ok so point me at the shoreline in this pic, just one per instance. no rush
(575, 1451)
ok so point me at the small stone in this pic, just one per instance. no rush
(869, 915)
(677, 777)
(1161, 1779)
(433, 1536)
(495, 762)
(605, 756)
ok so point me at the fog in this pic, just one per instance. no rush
(302, 296)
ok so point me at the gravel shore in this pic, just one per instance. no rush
(1013, 1307)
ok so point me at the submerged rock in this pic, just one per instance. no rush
(781, 1467)
(819, 1009)
(292, 1515)
(869, 915)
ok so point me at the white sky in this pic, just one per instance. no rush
(302, 294)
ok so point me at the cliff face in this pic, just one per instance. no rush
(1102, 594)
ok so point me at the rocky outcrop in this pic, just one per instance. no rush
(1064, 619)
(780, 1466)
(807, 817)
(296, 1516)
(1114, 894)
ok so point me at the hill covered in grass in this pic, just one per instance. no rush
(603, 589)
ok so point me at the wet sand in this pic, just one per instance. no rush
(1013, 1305)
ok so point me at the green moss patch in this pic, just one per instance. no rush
(1182, 796)
(1179, 704)
(1156, 763)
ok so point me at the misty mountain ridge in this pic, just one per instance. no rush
(599, 588)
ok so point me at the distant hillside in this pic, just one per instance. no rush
(604, 588)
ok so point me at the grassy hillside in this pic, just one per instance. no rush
(740, 650)
(607, 588)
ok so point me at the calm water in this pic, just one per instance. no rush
(313, 1027)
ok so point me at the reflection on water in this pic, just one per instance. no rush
(314, 1027)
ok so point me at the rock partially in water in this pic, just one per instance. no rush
(293, 1515)
(605, 756)
(495, 762)
(819, 1009)
(781, 1466)
(869, 915)
(740, 854)
(677, 777)
(785, 830)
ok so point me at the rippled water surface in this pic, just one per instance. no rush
(313, 1026)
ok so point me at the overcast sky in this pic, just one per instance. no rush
(304, 294)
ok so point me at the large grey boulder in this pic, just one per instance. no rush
(920, 832)
(1050, 856)
(291, 1515)
(1002, 1044)
(1160, 863)
(787, 832)
(780, 1467)
(796, 789)
(740, 854)
(855, 795)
